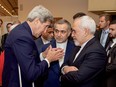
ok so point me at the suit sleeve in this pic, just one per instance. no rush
(25, 54)
(93, 64)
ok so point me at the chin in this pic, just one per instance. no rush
(59, 41)
(76, 43)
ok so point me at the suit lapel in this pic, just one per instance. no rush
(107, 41)
(84, 49)
(113, 53)
(55, 65)
(53, 43)
(69, 47)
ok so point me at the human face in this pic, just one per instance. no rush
(8, 27)
(61, 33)
(103, 23)
(78, 34)
(48, 34)
(1, 23)
(39, 27)
(112, 30)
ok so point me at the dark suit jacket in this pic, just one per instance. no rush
(111, 68)
(52, 79)
(98, 36)
(3, 40)
(39, 43)
(20, 49)
(91, 63)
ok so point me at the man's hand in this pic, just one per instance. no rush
(69, 69)
(45, 52)
(54, 54)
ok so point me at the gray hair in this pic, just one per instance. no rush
(40, 12)
(87, 22)
(63, 21)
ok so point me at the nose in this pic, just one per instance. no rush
(59, 33)
(72, 34)
(109, 31)
(52, 34)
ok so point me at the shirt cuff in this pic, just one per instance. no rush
(62, 70)
(41, 57)
(47, 62)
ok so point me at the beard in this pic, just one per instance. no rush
(76, 43)
(112, 36)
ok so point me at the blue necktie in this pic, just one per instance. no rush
(102, 40)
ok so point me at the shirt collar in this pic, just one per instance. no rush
(44, 41)
(106, 30)
(86, 42)
(114, 40)
(62, 44)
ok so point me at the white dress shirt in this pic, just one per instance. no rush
(63, 46)
(45, 41)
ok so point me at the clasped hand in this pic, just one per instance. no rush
(53, 54)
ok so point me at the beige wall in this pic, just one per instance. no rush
(6, 19)
(97, 5)
(59, 8)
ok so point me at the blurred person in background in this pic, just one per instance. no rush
(103, 33)
(8, 26)
(45, 37)
(111, 53)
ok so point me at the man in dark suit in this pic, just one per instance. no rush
(5, 35)
(62, 30)
(103, 33)
(86, 67)
(111, 66)
(22, 65)
(45, 38)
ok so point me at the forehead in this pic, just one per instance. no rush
(76, 23)
(61, 26)
(9, 24)
(47, 23)
(102, 18)
(49, 29)
(113, 26)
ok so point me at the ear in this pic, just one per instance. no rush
(108, 22)
(86, 31)
(36, 21)
(69, 32)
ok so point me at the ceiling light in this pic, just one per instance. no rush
(5, 10)
(110, 11)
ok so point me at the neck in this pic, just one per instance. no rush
(87, 38)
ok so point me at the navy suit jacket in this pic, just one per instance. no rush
(52, 79)
(91, 63)
(20, 49)
(39, 43)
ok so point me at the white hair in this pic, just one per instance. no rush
(86, 22)
(40, 12)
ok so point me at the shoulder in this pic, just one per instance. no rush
(95, 46)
